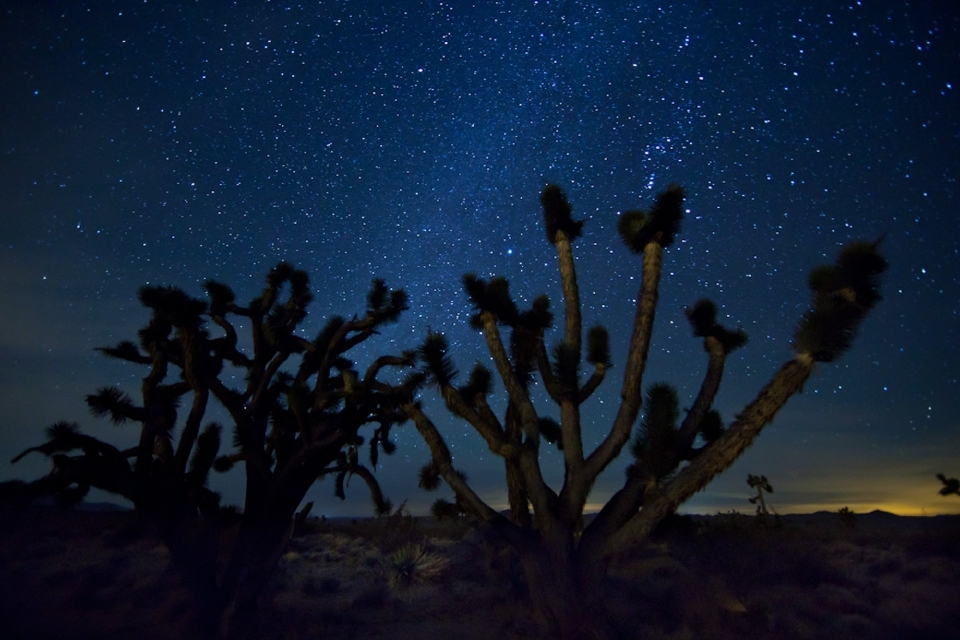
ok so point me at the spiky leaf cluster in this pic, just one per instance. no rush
(525, 338)
(661, 224)
(326, 334)
(380, 440)
(566, 366)
(282, 318)
(759, 481)
(951, 486)
(523, 353)
(221, 297)
(440, 369)
(63, 430)
(66, 436)
(703, 318)
(492, 296)
(385, 305)
(843, 294)
(174, 306)
(382, 507)
(557, 214)
(125, 350)
(429, 477)
(480, 383)
(538, 317)
(598, 346)
(550, 430)
(657, 439)
(112, 402)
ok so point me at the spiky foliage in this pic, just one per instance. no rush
(564, 560)
(429, 477)
(412, 564)
(480, 382)
(491, 296)
(843, 294)
(657, 439)
(296, 419)
(703, 318)
(566, 366)
(385, 305)
(112, 402)
(221, 297)
(550, 430)
(440, 369)
(660, 224)
(598, 346)
(557, 214)
(951, 486)
(125, 350)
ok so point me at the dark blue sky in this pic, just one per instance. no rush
(166, 143)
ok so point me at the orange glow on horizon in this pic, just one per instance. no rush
(896, 508)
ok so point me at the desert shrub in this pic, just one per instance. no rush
(412, 564)
(847, 517)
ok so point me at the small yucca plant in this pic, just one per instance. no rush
(412, 564)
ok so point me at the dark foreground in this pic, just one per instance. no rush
(104, 575)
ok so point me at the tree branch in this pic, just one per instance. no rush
(715, 457)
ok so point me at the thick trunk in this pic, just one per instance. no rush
(194, 545)
(253, 561)
(566, 596)
(563, 607)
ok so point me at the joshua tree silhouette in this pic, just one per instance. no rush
(564, 561)
(761, 484)
(290, 427)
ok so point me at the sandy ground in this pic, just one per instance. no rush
(82, 574)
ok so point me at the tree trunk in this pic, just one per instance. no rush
(566, 596)
(252, 563)
(194, 545)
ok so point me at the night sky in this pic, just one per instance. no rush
(150, 143)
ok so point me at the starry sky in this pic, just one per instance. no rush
(168, 143)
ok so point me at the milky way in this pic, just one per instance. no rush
(165, 144)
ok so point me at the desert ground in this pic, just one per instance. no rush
(105, 575)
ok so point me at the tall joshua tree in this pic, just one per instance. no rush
(564, 562)
(297, 418)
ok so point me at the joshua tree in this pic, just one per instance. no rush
(951, 486)
(761, 484)
(296, 419)
(564, 562)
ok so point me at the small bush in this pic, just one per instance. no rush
(848, 518)
(412, 564)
